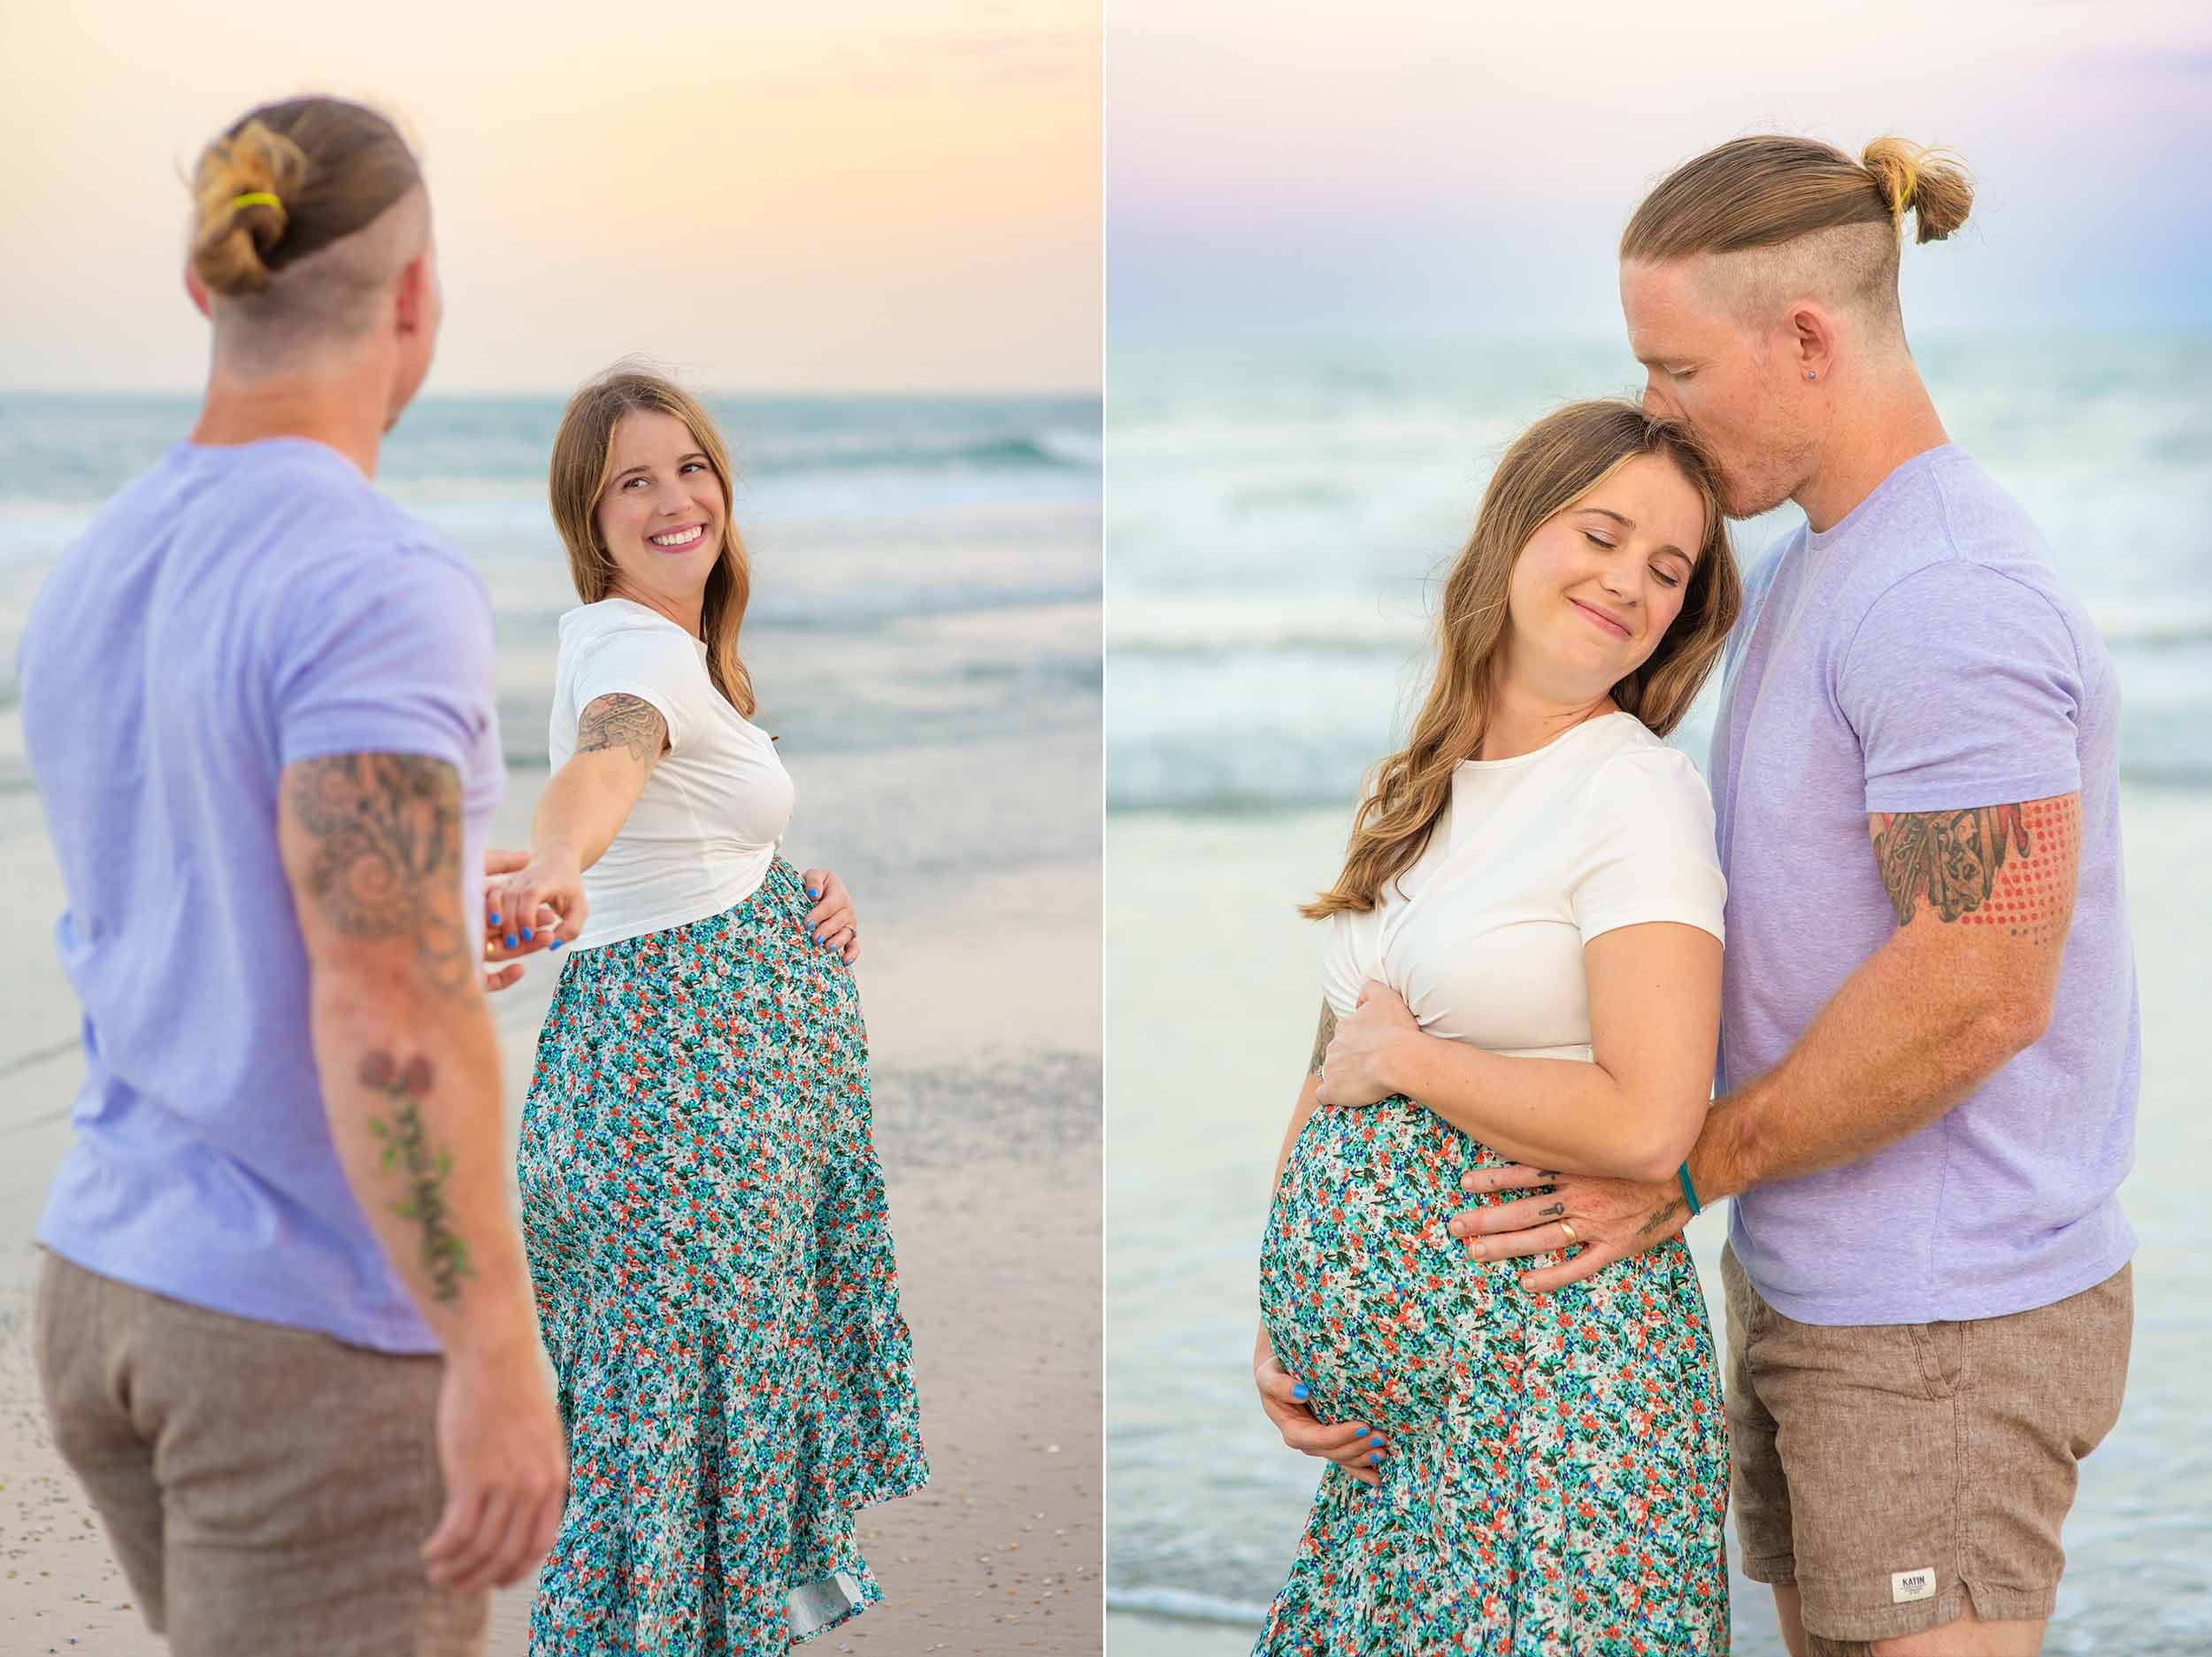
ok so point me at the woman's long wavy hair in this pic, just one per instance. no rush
(583, 460)
(1550, 467)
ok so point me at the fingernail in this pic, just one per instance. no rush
(1466, 1181)
(494, 920)
(556, 944)
(1480, 1251)
(511, 940)
(813, 893)
(1298, 1391)
(525, 934)
(1374, 1458)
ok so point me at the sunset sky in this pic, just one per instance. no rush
(877, 195)
(1403, 167)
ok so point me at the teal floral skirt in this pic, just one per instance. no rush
(1558, 1472)
(705, 1220)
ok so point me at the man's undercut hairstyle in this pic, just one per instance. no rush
(1813, 220)
(293, 235)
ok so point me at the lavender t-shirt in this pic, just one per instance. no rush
(232, 612)
(1923, 655)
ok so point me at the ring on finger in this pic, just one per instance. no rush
(1567, 1230)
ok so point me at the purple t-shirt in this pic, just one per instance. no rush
(1923, 655)
(233, 611)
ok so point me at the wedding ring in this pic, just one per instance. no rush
(1569, 1230)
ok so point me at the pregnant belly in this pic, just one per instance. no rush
(1366, 1296)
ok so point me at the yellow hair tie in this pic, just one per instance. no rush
(256, 198)
(1904, 194)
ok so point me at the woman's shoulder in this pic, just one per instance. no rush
(1639, 771)
(618, 626)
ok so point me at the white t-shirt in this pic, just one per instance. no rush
(1604, 826)
(703, 832)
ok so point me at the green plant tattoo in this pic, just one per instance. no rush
(406, 1141)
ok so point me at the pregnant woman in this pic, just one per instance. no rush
(1525, 939)
(702, 1205)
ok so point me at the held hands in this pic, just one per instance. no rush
(1603, 1220)
(830, 919)
(1351, 1444)
(1360, 1063)
(529, 905)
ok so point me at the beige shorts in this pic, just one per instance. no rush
(1890, 1470)
(266, 1490)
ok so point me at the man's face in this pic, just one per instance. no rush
(1734, 385)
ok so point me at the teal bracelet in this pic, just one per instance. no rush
(1689, 1191)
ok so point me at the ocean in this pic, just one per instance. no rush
(924, 629)
(1278, 519)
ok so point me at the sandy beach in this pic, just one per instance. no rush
(981, 983)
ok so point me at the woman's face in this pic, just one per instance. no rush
(1599, 584)
(660, 516)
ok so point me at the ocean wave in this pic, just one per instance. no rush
(1185, 1606)
(1225, 624)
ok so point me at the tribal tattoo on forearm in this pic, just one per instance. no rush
(2003, 865)
(406, 1143)
(388, 854)
(1321, 1037)
(624, 721)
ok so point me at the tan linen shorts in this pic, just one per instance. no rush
(1891, 1470)
(266, 1489)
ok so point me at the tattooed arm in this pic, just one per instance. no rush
(1351, 1444)
(1983, 899)
(410, 1081)
(619, 738)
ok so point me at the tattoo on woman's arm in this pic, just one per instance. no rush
(624, 721)
(1321, 1037)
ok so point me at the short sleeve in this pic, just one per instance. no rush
(656, 664)
(1964, 687)
(1651, 854)
(374, 659)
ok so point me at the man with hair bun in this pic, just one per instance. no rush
(1929, 1043)
(284, 1332)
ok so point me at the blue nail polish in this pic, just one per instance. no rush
(525, 934)
(1298, 1391)
(1374, 1458)
(511, 940)
(494, 920)
(812, 892)
(1375, 1439)
(556, 944)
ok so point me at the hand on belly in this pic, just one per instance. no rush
(1360, 1062)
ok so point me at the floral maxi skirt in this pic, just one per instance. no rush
(704, 1220)
(1557, 1475)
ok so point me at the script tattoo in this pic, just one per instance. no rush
(1951, 858)
(624, 721)
(387, 853)
(1321, 1037)
(444, 1256)
(1662, 1221)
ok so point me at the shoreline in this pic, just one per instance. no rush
(980, 988)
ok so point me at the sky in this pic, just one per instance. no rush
(897, 196)
(1403, 168)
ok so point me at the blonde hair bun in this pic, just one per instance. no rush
(231, 244)
(1930, 184)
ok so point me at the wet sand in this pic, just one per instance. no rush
(981, 990)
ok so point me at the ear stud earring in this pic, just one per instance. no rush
(1811, 375)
